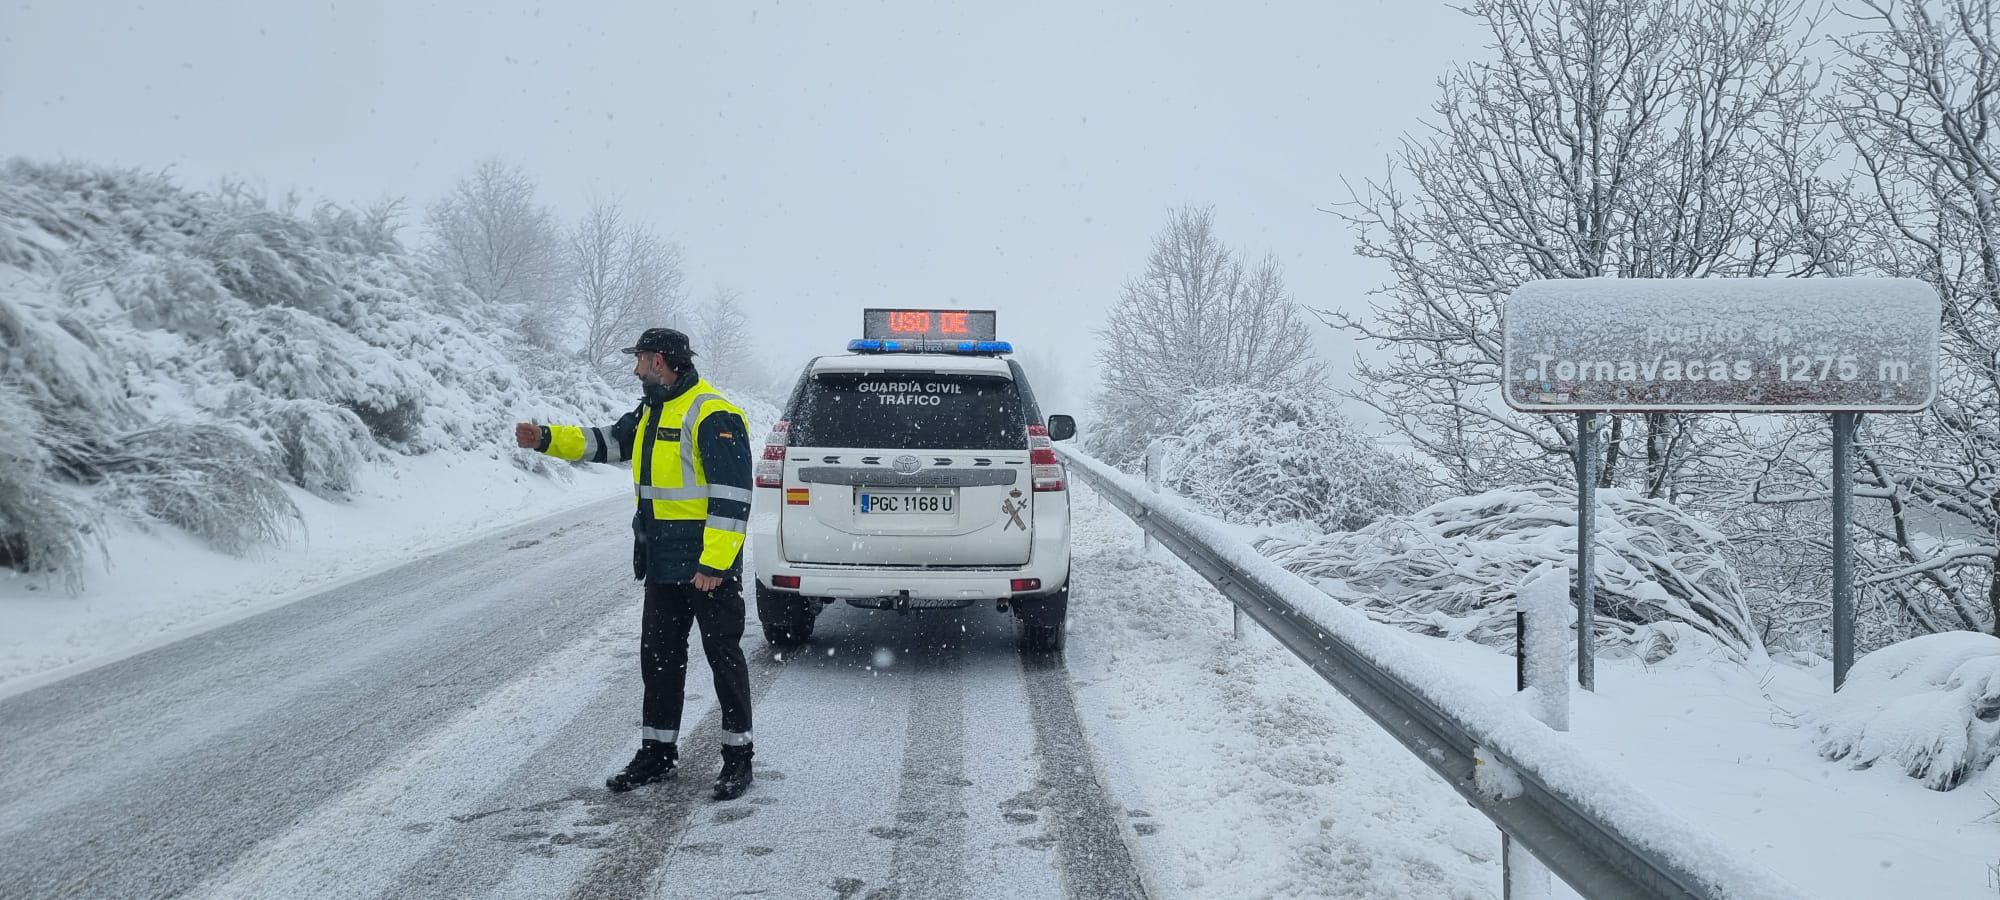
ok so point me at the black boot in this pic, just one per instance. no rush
(655, 761)
(735, 777)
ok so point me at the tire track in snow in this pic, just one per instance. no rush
(1081, 822)
(929, 859)
(652, 820)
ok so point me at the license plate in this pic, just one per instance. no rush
(885, 502)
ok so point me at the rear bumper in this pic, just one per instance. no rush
(1048, 561)
(942, 587)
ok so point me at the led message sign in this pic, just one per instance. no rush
(929, 324)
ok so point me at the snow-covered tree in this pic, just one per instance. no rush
(1195, 319)
(655, 277)
(1920, 100)
(721, 336)
(623, 279)
(1599, 138)
(498, 242)
(597, 284)
(1282, 458)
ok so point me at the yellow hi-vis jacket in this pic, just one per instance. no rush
(691, 468)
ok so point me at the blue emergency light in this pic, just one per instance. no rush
(970, 348)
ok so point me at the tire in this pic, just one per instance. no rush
(1044, 621)
(1042, 638)
(788, 618)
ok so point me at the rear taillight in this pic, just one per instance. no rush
(1048, 471)
(771, 468)
(785, 581)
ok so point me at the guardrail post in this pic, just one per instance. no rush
(1544, 671)
(1156, 455)
(1523, 877)
(1542, 646)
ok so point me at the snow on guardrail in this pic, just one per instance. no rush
(1592, 827)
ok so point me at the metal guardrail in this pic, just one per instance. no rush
(1591, 855)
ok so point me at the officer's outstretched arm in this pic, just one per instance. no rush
(725, 459)
(605, 444)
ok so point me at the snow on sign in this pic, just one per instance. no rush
(1726, 345)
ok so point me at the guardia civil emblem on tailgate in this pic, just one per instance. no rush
(906, 464)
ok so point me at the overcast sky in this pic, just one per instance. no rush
(816, 157)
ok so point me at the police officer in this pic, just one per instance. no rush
(690, 452)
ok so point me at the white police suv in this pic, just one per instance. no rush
(914, 473)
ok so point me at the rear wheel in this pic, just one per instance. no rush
(1044, 621)
(788, 618)
(1042, 638)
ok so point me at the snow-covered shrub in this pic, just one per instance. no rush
(43, 527)
(24, 242)
(1452, 569)
(320, 446)
(270, 259)
(59, 406)
(1259, 457)
(210, 480)
(181, 355)
(175, 294)
(291, 353)
(1931, 704)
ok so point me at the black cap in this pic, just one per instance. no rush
(662, 340)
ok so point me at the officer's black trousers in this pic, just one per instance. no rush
(663, 652)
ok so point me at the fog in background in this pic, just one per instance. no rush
(816, 158)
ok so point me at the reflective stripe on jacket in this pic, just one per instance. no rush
(691, 468)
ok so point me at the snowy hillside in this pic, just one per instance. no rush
(177, 358)
(215, 403)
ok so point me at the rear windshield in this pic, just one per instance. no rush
(910, 410)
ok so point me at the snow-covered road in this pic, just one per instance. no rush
(442, 729)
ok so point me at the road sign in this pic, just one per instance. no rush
(1721, 344)
(1773, 345)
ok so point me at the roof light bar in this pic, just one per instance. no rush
(971, 348)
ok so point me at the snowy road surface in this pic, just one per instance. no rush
(443, 730)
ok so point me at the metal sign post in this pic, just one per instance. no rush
(1757, 345)
(1843, 546)
(1586, 533)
